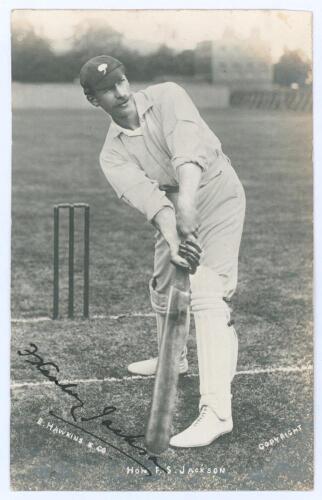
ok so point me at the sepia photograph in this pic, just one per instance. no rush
(161, 250)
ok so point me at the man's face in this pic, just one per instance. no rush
(116, 100)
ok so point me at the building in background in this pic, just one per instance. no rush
(235, 62)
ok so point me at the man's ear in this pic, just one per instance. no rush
(92, 99)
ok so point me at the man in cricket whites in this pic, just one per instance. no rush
(162, 159)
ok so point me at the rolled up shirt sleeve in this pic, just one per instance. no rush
(183, 129)
(132, 185)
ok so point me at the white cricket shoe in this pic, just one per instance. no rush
(149, 366)
(203, 431)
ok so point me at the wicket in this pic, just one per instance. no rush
(71, 232)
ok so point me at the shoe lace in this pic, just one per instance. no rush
(201, 415)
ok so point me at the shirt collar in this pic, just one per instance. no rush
(143, 103)
(129, 132)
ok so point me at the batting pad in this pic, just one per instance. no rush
(216, 343)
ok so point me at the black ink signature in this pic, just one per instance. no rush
(130, 439)
(39, 364)
(153, 459)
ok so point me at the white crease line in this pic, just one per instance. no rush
(281, 369)
(128, 315)
(255, 371)
(30, 320)
(41, 319)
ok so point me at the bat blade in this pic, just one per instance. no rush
(165, 387)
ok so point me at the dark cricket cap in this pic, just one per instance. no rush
(99, 73)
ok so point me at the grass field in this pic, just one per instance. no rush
(55, 158)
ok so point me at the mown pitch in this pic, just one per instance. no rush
(54, 160)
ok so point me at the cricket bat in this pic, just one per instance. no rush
(166, 380)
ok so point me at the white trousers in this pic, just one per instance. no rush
(221, 206)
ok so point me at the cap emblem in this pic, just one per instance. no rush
(102, 68)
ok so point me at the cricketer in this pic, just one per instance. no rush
(162, 159)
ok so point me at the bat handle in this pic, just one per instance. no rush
(182, 278)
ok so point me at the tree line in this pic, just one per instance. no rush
(34, 60)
